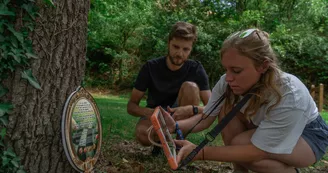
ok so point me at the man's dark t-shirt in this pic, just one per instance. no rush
(163, 84)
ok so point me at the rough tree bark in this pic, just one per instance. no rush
(59, 39)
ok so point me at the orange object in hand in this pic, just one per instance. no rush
(165, 137)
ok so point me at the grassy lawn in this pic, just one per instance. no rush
(325, 116)
(118, 134)
(116, 121)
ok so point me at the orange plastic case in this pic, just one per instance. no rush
(165, 137)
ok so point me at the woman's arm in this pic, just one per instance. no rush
(186, 124)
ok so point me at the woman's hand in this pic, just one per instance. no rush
(169, 121)
(186, 149)
(182, 112)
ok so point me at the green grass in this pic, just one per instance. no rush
(116, 121)
(324, 116)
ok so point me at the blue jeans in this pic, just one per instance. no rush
(316, 135)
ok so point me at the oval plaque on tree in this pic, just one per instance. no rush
(81, 130)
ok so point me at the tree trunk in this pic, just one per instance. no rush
(34, 129)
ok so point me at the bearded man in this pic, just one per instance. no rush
(174, 82)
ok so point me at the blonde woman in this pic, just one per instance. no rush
(278, 130)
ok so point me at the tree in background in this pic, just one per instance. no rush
(115, 34)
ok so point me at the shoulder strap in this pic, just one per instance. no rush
(210, 136)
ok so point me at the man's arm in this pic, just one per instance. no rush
(133, 107)
(183, 112)
(204, 96)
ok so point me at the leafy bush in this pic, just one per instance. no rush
(126, 34)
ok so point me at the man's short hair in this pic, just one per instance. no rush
(183, 30)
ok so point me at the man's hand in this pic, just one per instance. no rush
(182, 112)
(169, 121)
(186, 149)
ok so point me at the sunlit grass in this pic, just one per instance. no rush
(116, 120)
(324, 116)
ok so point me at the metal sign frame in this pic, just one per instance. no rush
(81, 130)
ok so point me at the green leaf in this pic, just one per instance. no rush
(6, 13)
(14, 42)
(17, 58)
(9, 152)
(18, 35)
(2, 26)
(3, 91)
(4, 120)
(2, 144)
(1, 37)
(28, 8)
(49, 2)
(5, 160)
(15, 163)
(3, 132)
(31, 28)
(31, 55)
(6, 2)
(20, 171)
(11, 68)
(27, 74)
(5, 108)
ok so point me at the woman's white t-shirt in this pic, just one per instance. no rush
(279, 129)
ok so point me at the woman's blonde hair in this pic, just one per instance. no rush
(255, 44)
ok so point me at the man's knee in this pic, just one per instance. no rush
(188, 94)
(141, 134)
(189, 86)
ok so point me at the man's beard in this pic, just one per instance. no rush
(175, 62)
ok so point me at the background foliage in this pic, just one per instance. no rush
(124, 34)
(16, 22)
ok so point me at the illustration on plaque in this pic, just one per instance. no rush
(81, 129)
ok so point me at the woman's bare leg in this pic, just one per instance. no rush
(235, 127)
(301, 156)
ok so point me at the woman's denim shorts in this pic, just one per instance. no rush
(316, 135)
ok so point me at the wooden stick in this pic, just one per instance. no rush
(320, 97)
(312, 91)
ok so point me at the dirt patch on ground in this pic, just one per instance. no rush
(129, 157)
